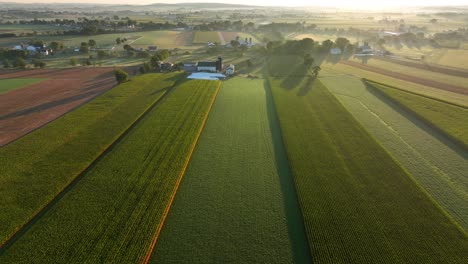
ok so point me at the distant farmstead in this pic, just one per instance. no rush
(210, 66)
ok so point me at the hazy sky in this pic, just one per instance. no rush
(336, 3)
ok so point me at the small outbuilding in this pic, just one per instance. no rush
(230, 69)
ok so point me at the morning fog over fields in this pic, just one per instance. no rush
(233, 132)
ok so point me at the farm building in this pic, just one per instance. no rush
(335, 51)
(190, 66)
(210, 66)
(152, 48)
(230, 69)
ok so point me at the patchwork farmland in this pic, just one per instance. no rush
(121, 199)
(237, 190)
(344, 186)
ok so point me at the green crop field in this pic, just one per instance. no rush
(411, 71)
(237, 203)
(202, 37)
(113, 212)
(7, 85)
(451, 119)
(346, 70)
(435, 162)
(38, 166)
(359, 205)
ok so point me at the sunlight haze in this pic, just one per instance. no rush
(334, 3)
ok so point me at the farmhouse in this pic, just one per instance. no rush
(335, 51)
(230, 69)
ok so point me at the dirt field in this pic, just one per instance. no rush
(23, 110)
(428, 67)
(228, 36)
(414, 79)
(184, 39)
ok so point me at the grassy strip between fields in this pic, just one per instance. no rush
(113, 213)
(7, 85)
(452, 120)
(40, 165)
(359, 206)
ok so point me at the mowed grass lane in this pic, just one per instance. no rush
(359, 206)
(39, 165)
(437, 164)
(7, 85)
(237, 203)
(112, 214)
(451, 119)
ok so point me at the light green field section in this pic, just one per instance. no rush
(359, 205)
(44, 162)
(450, 119)
(454, 58)
(345, 70)
(437, 164)
(203, 37)
(411, 71)
(7, 85)
(236, 203)
(111, 215)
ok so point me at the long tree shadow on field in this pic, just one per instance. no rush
(294, 219)
(434, 131)
(307, 85)
(294, 78)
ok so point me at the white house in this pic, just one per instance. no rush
(335, 51)
(230, 69)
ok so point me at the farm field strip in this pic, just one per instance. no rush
(346, 70)
(7, 85)
(393, 66)
(203, 37)
(24, 110)
(450, 119)
(437, 167)
(419, 80)
(359, 205)
(43, 163)
(234, 195)
(113, 212)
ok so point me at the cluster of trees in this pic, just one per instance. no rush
(308, 46)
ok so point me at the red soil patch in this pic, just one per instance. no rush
(184, 39)
(24, 110)
(228, 36)
(428, 67)
(409, 78)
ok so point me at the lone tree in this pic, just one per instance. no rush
(316, 70)
(308, 61)
(120, 76)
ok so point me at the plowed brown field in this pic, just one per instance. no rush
(24, 110)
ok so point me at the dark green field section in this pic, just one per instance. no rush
(113, 212)
(236, 203)
(359, 206)
(448, 118)
(36, 167)
(7, 85)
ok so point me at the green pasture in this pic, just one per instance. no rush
(203, 37)
(237, 202)
(435, 162)
(7, 85)
(359, 205)
(43, 162)
(112, 213)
